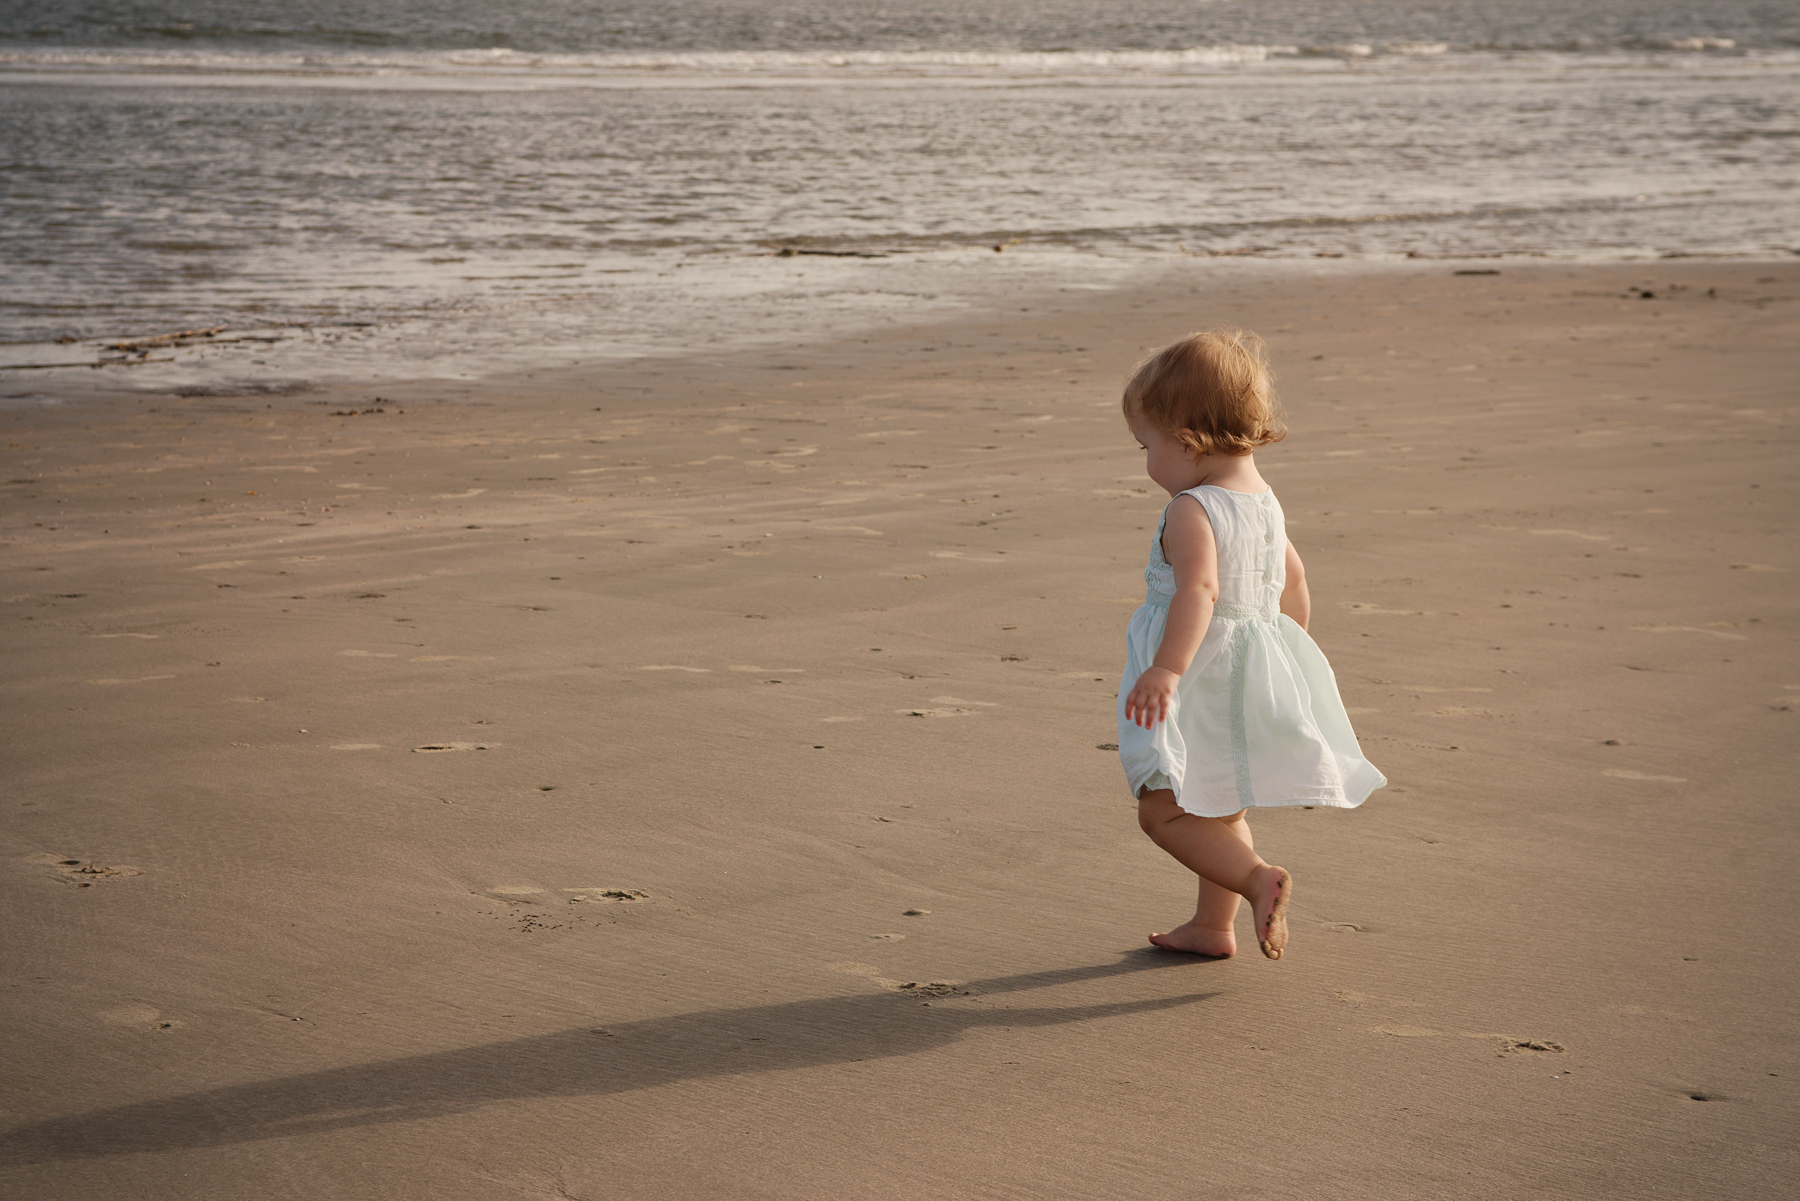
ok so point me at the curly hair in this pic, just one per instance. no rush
(1211, 391)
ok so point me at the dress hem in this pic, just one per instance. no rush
(1323, 800)
(1315, 803)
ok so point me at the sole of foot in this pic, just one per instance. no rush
(1272, 928)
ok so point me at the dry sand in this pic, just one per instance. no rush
(683, 779)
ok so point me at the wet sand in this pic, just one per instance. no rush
(686, 778)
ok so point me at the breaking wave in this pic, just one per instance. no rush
(751, 62)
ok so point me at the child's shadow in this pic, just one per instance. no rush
(582, 1062)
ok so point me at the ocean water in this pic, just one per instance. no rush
(366, 189)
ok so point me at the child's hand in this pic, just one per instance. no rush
(1148, 701)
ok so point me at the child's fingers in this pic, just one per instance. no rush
(1145, 711)
(1145, 705)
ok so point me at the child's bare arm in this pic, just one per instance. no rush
(1296, 601)
(1189, 547)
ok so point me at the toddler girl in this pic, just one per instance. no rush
(1226, 703)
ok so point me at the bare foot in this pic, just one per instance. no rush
(1269, 908)
(1197, 940)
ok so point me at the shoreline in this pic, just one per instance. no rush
(115, 379)
(687, 774)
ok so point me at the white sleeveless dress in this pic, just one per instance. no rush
(1256, 720)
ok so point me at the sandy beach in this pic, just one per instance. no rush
(690, 777)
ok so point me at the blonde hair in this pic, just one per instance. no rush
(1211, 391)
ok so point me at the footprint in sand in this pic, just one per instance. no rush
(82, 873)
(926, 988)
(1366, 607)
(933, 988)
(615, 896)
(1510, 1045)
(950, 707)
(434, 748)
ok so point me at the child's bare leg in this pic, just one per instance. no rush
(1209, 932)
(1218, 850)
